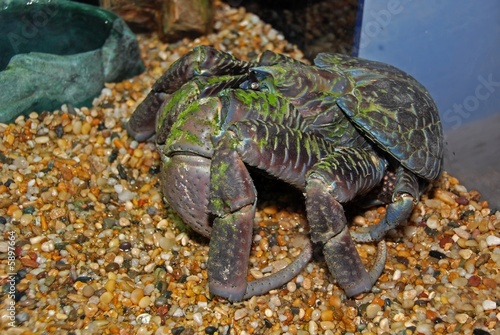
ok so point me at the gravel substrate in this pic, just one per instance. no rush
(87, 245)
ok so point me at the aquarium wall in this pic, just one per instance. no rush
(453, 48)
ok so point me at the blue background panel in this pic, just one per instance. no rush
(453, 48)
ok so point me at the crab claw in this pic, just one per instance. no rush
(328, 226)
(343, 261)
(232, 201)
(201, 61)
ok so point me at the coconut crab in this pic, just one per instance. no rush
(341, 129)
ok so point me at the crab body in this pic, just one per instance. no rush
(342, 129)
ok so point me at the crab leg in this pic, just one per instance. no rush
(406, 190)
(337, 179)
(233, 197)
(233, 201)
(201, 61)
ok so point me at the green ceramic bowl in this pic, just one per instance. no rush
(55, 52)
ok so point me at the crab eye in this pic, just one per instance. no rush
(254, 85)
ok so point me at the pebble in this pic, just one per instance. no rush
(198, 318)
(459, 282)
(137, 295)
(493, 240)
(88, 291)
(291, 286)
(22, 317)
(461, 318)
(432, 222)
(125, 246)
(489, 305)
(316, 315)
(106, 298)
(240, 314)
(465, 253)
(92, 230)
(144, 302)
(112, 267)
(372, 310)
(306, 283)
(166, 243)
(110, 285)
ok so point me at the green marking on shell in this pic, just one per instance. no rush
(178, 130)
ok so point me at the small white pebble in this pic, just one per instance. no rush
(105, 91)
(424, 328)
(124, 222)
(134, 144)
(279, 264)
(432, 222)
(429, 279)
(489, 305)
(275, 301)
(48, 246)
(119, 259)
(146, 219)
(396, 275)
(36, 239)
(148, 289)
(384, 324)
(109, 123)
(61, 316)
(178, 313)
(315, 315)
(118, 188)
(256, 273)
(493, 240)
(197, 317)
(144, 318)
(313, 327)
(149, 268)
(126, 195)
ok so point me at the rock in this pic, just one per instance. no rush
(140, 15)
(186, 18)
(489, 305)
(492, 240)
(56, 52)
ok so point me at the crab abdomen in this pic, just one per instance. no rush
(393, 110)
